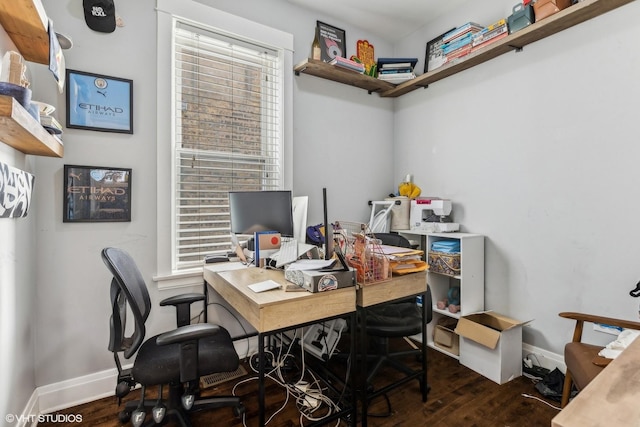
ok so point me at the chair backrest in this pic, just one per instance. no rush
(128, 288)
(393, 239)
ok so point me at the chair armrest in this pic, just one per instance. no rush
(182, 303)
(627, 324)
(580, 318)
(182, 299)
(188, 333)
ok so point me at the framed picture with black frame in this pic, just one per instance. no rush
(98, 102)
(434, 57)
(332, 41)
(96, 194)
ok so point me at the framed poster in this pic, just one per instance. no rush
(332, 41)
(97, 102)
(16, 188)
(434, 57)
(96, 194)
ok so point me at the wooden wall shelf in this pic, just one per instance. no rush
(26, 23)
(318, 68)
(22, 132)
(573, 15)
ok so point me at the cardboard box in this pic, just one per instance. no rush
(446, 339)
(491, 345)
(545, 8)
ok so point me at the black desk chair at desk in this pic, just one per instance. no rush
(395, 320)
(177, 358)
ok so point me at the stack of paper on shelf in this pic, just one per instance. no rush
(458, 43)
(348, 64)
(51, 124)
(490, 34)
(403, 260)
(396, 70)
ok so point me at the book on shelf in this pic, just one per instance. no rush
(490, 41)
(457, 43)
(484, 36)
(397, 77)
(393, 63)
(348, 64)
(464, 50)
(50, 121)
(499, 23)
(395, 70)
(461, 30)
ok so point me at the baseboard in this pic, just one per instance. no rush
(30, 413)
(544, 358)
(66, 394)
(76, 391)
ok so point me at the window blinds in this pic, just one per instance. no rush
(227, 134)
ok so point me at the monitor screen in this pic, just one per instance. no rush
(253, 211)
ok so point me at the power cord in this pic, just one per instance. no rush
(541, 400)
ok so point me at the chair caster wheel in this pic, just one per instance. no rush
(124, 416)
(137, 417)
(238, 411)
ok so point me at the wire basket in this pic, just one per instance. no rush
(362, 251)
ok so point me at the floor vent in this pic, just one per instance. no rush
(221, 377)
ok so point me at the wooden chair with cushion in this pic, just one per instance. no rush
(582, 360)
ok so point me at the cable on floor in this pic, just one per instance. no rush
(541, 400)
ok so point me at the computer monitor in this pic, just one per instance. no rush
(253, 211)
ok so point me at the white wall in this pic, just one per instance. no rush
(545, 170)
(538, 151)
(342, 141)
(17, 290)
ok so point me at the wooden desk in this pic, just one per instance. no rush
(611, 399)
(398, 287)
(278, 310)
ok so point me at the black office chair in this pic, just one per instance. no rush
(177, 358)
(395, 320)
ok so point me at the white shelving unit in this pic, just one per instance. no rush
(470, 279)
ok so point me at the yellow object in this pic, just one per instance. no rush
(409, 189)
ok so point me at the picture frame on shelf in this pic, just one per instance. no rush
(96, 194)
(98, 102)
(332, 41)
(434, 57)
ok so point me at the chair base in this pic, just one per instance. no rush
(175, 410)
(384, 357)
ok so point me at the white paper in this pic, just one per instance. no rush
(311, 264)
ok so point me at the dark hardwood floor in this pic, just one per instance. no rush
(458, 397)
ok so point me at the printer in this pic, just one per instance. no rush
(431, 214)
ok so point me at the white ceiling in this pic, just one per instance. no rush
(389, 19)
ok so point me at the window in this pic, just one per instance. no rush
(227, 134)
(226, 128)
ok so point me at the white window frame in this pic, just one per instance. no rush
(189, 11)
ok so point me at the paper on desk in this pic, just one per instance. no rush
(311, 264)
(396, 252)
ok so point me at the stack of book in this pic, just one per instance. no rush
(490, 34)
(50, 124)
(458, 43)
(396, 70)
(347, 64)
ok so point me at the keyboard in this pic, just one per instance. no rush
(288, 252)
